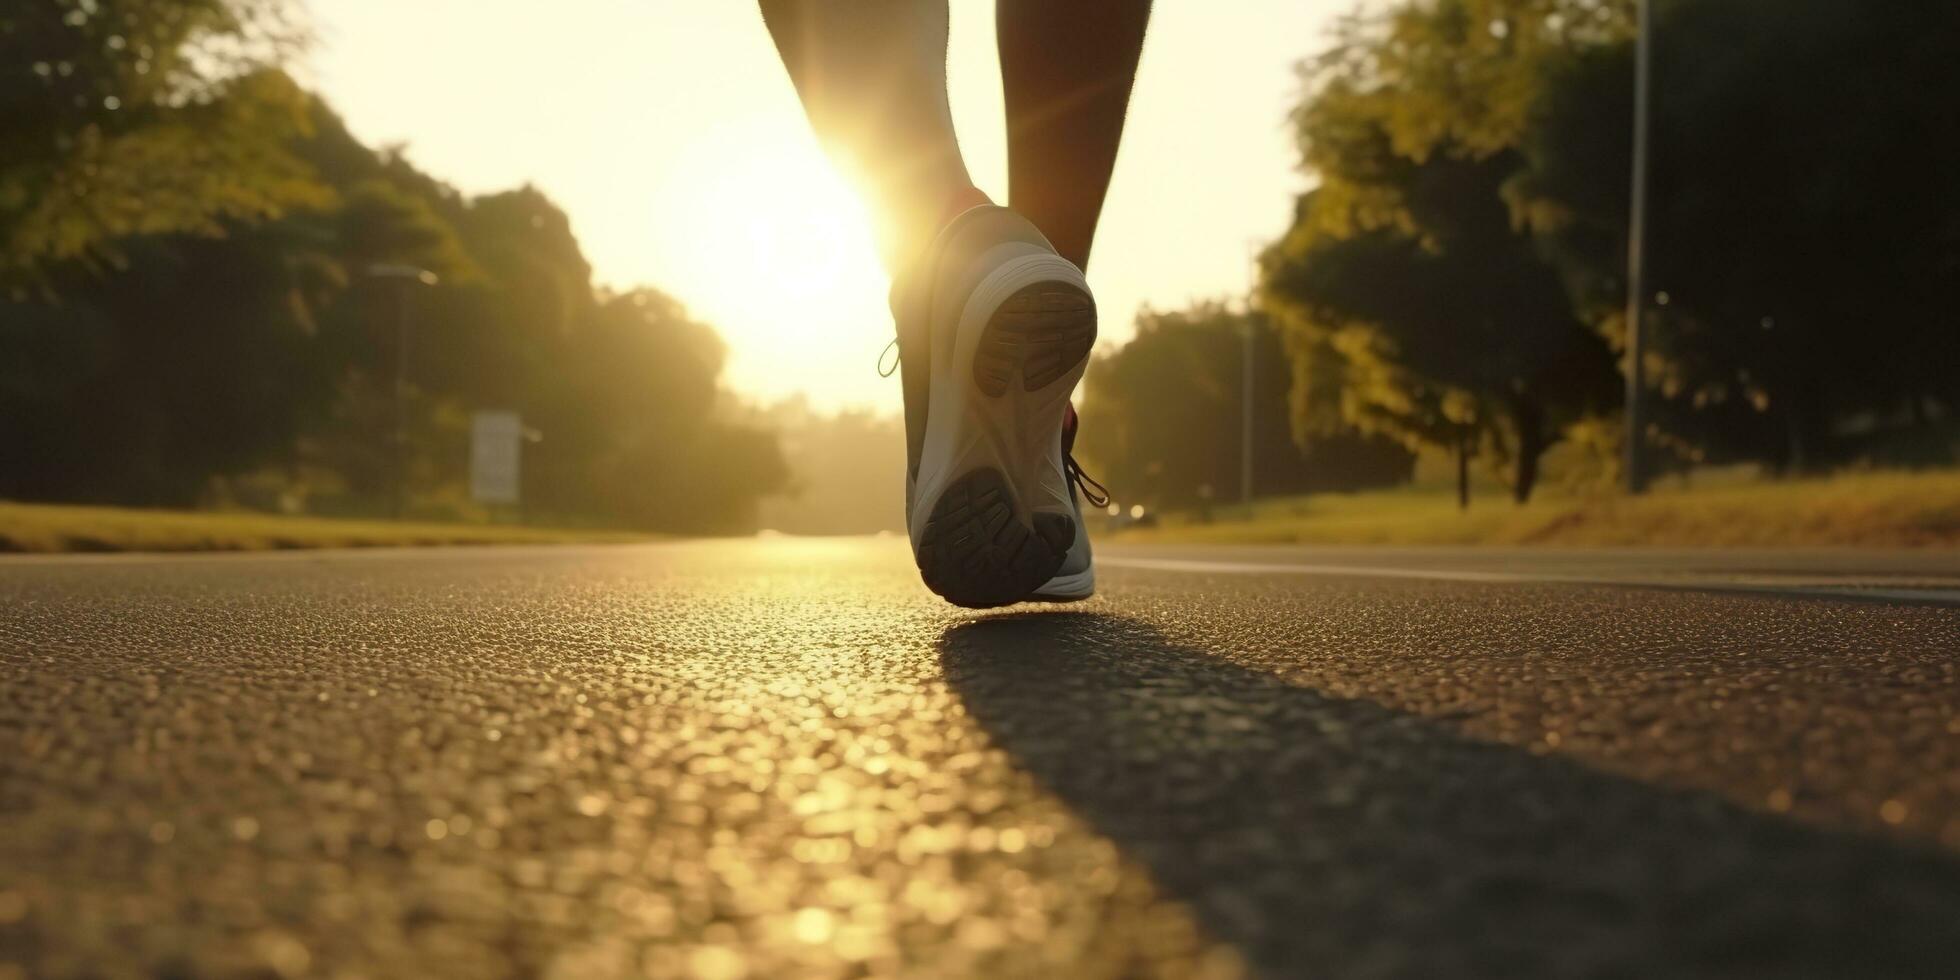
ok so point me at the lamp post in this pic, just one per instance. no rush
(1636, 455)
(404, 276)
(1250, 337)
(1245, 418)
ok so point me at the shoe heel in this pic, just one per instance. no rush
(975, 552)
(1040, 335)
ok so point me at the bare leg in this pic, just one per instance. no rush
(1066, 71)
(872, 78)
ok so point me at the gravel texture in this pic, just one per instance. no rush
(784, 758)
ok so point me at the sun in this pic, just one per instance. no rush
(767, 242)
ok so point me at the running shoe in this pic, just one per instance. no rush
(1076, 579)
(994, 331)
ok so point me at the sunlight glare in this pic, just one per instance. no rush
(780, 252)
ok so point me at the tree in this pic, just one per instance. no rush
(192, 313)
(1162, 416)
(147, 117)
(641, 396)
(1403, 284)
(849, 470)
(1803, 227)
(195, 360)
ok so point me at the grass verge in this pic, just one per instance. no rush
(57, 528)
(1893, 510)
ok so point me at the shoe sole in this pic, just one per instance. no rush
(1067, 588)
(991, 534)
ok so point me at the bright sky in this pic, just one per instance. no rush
(669, 133)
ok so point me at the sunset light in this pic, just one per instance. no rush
(772, 238)
(1347, 489)
(673, 140)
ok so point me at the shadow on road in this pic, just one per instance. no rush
(1338, 838)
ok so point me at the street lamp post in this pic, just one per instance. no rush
(1245, 415)
(1253, 248)
(1636, 455)
(404, 276)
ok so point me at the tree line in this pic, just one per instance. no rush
(188, 313)
(1164, 417)
(1454, 280)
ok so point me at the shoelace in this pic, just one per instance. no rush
(1099, 496)
(1092, 490)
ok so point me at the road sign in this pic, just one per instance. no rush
(494, 441)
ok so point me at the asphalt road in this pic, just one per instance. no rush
(783, 758)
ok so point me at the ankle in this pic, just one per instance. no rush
(959, 202)
(925, 225)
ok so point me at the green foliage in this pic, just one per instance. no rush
(1413, 304)
(381, 222)
(1162, 417)
(141, 117)
(1804, 224)
(190, 237)
(1847, 510)
(1456, 276)
(634, 414)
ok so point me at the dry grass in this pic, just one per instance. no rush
(50, 528)
(1898, 510)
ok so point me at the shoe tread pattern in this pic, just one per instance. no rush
(976, 551)
(1040, 333)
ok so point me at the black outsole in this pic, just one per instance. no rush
(975, 550)
(1040, 333)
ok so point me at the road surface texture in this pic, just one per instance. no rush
(782, 758)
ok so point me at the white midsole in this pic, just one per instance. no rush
(1080, 585)
(1018, 433)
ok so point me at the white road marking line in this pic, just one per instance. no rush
(1942, 593)
(1269, 568)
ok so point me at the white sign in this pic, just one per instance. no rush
(494, 441)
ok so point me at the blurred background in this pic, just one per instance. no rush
(1364, 265)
